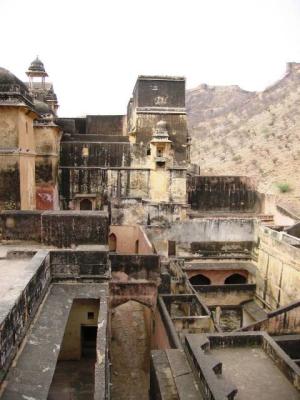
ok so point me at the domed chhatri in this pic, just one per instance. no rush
(161, 131)
(36, 68)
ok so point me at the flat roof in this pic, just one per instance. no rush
(255, 375)
(14, 277)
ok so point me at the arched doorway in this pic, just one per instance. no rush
(86, 204)
(112, 242)
(235, 279)
(200, 280)
(136, 247)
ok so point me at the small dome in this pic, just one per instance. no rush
(51, 95)
(41, 107)
(37, 66)
(161, 125)
(8, 79)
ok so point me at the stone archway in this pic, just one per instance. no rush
(200, 279)
(237, 279)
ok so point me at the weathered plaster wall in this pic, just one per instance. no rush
(56, 228)
(27, 182)
(47, 138)
(160, 339)
(144, 267)
(77, 264)
(159, 93)
(177, 130)
(204, 230)
(136, 211)
(9, 127)
(105, 124)
(67, 228)
(219, 295)
(21, 225)
(100, 154)
(278, 269)
(9, 178)
(17, 159)
(223, 193)
(25, 131)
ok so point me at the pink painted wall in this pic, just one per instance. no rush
(127, 237)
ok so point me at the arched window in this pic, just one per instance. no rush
(86, 204)
(235, 279)
(112, 242)
(200, 280)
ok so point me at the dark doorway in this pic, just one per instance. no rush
(200, 280)
(88, 341)
(86, 204)
(112, 242)
(235, 279)
(136, 247)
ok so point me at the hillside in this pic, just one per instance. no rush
(235, 132)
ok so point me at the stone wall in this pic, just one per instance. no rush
(278, 267)
(56, 228)
(70, 228)
(9, 178)
(78, 264)
(21, 225)
(100, 154)
(222, 231)
(283, 321)
(15, 324)
(177, 130)
(223, 193)
(145, 267)
(218, 295)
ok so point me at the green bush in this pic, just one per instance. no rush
(284, 187)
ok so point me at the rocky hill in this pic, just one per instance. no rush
(235, 132)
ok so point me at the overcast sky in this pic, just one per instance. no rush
(93, 50)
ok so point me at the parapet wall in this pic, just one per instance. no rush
(15, 324)
(77, 264)
(56, 228)
(238, 232)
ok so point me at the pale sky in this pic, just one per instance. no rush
(93, 50)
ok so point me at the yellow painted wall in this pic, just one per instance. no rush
(9, 127)
(27, 182)
(71, 345)
(159, 185)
